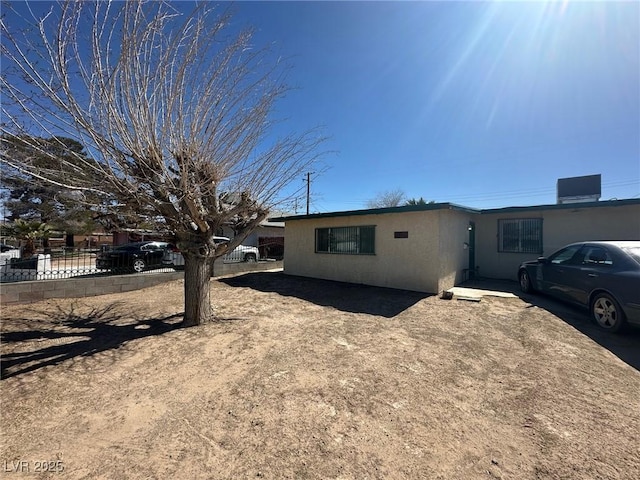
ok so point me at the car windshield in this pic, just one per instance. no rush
(633, 252)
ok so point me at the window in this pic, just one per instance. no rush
(346, 240)
(566, 256)
(520, 235)
(596, 256)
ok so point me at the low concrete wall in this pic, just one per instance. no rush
(35, 291)
(221, 269)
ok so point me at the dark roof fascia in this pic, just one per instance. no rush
(564, 206)
(379, 211)
(453, 206)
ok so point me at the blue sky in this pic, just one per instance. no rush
(484, 104)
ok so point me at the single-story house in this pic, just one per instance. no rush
(422, 248)
(431, 248)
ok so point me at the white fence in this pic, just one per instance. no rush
(14, 272)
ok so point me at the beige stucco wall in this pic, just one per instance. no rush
(430, 260)
(559, 227)
(454, 254)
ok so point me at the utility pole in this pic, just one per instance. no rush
(308, 190)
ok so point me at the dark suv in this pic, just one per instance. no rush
(132, 257)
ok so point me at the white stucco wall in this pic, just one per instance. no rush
(559, 227)
(429, 260)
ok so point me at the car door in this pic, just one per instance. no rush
(556, 274)
(596, 266)
(155, 254)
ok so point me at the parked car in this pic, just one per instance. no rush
(132, 257)
(601, 276)
(242, 253)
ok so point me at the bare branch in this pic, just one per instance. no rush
(390, 198)
(175, 111)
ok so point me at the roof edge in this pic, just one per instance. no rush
(462, 208)
(562, 206)
(379, 211)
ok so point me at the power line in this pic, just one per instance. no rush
(532, 192)
(502, 196)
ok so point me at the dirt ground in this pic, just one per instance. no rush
(307, 379)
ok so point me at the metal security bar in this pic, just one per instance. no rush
(522, 235)
(346, 240)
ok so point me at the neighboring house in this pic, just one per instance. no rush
(268, 237)
(431, 248)
(131, 235)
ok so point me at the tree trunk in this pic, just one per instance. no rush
(197, 298)
(29, 248)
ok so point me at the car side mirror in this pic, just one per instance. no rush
(543, 260)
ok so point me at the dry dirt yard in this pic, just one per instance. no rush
(302, 378)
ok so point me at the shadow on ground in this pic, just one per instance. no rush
(625, 345)
(347, 297)
(94, 331)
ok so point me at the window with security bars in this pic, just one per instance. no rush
(523, 235)
(346, 240)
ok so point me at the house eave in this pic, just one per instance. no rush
(379, 211)
(462, 208)
(564, 206)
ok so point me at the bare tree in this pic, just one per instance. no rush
(176, 112)
(418, 201)
(390, 198)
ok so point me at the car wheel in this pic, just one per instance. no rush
(138, 265)
(250, 257)
(525, 281)
(607, 313)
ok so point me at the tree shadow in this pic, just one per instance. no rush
(625, 345)
(347, 297)
(72, 332)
